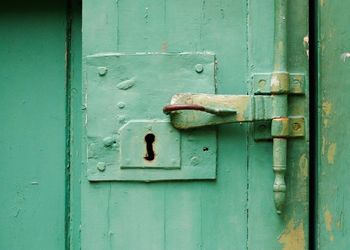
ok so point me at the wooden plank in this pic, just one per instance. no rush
(174, 215)
(333, 127)
(33, 116)
(267, 230)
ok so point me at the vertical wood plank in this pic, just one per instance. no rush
(333, 127)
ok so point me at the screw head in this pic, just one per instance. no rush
(102, 71)
(101, 166)
(296, 126)
(199, 68)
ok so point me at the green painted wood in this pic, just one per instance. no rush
(290, 230)
(333, 127)
(237, 210)
(33, 117)
(76, 161)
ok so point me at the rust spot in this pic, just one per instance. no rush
(293, 237)
(328, 219)
(331, 153)
(164, 47)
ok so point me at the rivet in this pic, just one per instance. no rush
(121, 105)
(102, 71)
(194, 161)
(296, 126)
(121, 118)
(101, 166)
(199, 68)
(108, 141)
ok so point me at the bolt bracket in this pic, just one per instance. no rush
(262, 86)
(266, 130)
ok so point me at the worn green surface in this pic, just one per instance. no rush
(33, 117)
(333, 218)
(76, 161)
(125, 103)
(237, 210)
(290, 230)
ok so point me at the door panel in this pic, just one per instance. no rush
(333, 127)
(236, 210)
(33, 121)
(172, 215)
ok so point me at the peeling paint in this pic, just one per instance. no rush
(328, 218)
(327, 110)
(304, 166)
(293, 237)
(327, 107)
(331, 153)
(306, 44)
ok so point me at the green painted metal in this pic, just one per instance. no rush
(234, 211)
(333, 127)
(279, 90)
(33, 125)
(124, 98)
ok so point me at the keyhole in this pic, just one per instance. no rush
(149, 139)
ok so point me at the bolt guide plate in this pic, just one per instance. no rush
(124, 96)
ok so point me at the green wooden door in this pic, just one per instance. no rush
(73, 177)
(135, 54)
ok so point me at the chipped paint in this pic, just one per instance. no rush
(331, 153)
(322, 2)
(293, 237)
(327, 107)
(304, 166)
(306, 44)
(345, 56)
(164, 47)
(327, 110)
(328, 218)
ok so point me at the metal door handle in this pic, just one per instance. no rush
(215, 111)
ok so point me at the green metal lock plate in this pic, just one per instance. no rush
(129, 138)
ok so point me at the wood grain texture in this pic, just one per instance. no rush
(333, 219)
(32, 137)
(236, 211)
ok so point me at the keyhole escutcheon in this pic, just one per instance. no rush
(149, 139)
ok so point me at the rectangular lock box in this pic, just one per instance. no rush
(129, 137)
